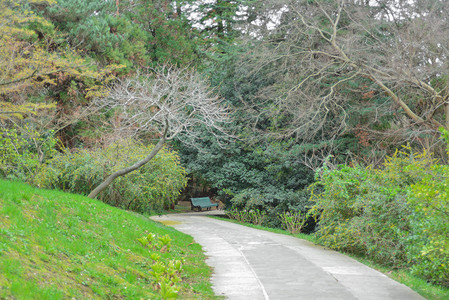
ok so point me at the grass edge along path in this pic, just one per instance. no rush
(55, 245)
(425, 289)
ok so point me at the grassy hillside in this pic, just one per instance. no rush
(55, 245)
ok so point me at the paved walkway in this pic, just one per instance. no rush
(256, 264)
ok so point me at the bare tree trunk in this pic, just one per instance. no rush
(220, 23)
(178, 9)
(446, 111)
(127, 170)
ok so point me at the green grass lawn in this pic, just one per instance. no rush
(55, 245)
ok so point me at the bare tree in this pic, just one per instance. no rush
(325, 53)
(169, 102)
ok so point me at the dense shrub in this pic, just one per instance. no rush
(254, 216)
(153, 186)
(264, 176)
(396, 215)
(23, 150)
(272, 201)
(293, 221)
(428, 245)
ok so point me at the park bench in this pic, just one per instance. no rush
(200, 203)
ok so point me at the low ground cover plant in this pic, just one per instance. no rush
(253, 216)
(166, 274)
(293, 221)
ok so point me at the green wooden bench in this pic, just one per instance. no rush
(200, 203)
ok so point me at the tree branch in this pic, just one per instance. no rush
(130, 169)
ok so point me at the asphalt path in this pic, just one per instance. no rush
(255, 264)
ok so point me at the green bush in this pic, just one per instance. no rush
(272, 202)
(293, 221)
(254, 216)
(154, 186)
(23, 150)
(428, 246)
(397, 215)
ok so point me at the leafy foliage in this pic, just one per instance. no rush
(396, 215)
(171, 37)
(92, 27)
(23, 152)
(255, 216)
(19, 111)
(293, 221)
(154, 186)
(268, 177)
(166, 274)
(272, 201)
(33, 56)
(428, 246)
(134, 33)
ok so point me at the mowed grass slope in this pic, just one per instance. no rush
(55, 245)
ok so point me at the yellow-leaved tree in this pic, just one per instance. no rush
(34, 57)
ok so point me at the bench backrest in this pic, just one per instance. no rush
(201, 201)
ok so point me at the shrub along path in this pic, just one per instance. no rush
(254, 264)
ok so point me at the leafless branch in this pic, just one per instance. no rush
(168, 95)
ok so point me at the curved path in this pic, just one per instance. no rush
(256, 264)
